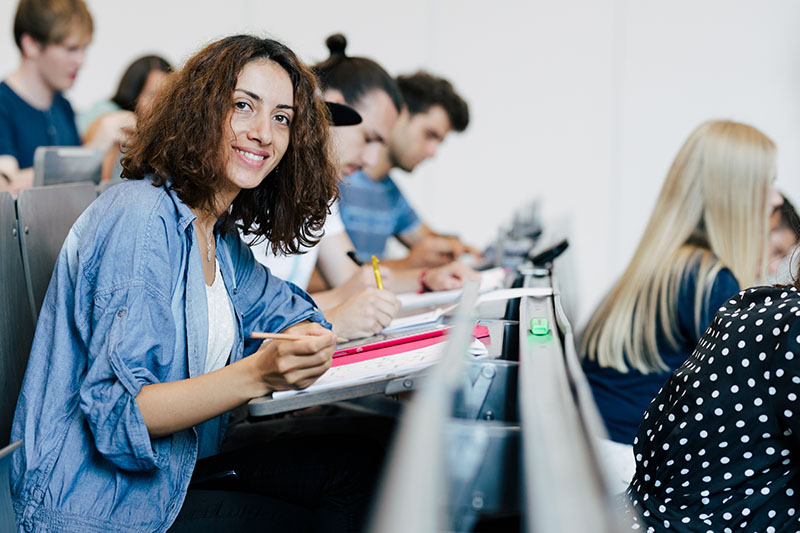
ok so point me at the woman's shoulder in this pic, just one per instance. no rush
(772, 312)
(715, 282)
(133, 200)
(766, 297)
(723, 285)
(702, 261)
(135, 225)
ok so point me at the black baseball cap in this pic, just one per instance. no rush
(343, 115)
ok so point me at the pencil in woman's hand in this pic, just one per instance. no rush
(285, 336)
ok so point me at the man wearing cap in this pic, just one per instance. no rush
(373, 208)
(355, 306)
(356, 87)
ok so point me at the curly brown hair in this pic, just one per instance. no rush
(179, 142)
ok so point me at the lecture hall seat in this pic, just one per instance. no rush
(16, 336)
(46, 215)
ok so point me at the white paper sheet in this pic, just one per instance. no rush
(389, 366)
(490, 280)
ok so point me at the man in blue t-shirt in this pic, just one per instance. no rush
(52, 37)
(373, 208)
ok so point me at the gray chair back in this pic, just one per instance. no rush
(53, 165)
(46, 215)
(7, 521)
(16, 323)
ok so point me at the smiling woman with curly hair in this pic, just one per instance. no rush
(180, 140)
(142, 343)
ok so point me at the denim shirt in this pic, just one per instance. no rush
(126, 307)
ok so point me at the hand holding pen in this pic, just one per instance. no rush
(364, 277)
(367, 309)
(304, 353)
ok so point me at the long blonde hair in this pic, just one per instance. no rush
(712, 211)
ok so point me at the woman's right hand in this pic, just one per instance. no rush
(365, 313)
(277, 365)
(364, 278)
(285, 365)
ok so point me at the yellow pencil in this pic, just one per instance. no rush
(377, 271)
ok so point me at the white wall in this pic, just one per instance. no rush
(582, 103)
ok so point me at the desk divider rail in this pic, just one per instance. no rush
(564, 488)
(413, 493)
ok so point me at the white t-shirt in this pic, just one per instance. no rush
(220, 324)
(298, 268)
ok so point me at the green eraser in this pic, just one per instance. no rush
(540, 326)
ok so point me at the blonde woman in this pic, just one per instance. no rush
(707, 236)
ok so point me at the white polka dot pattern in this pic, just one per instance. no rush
(717, 448)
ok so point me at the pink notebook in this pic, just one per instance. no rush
(400, 345)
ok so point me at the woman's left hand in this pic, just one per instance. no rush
(450, 276)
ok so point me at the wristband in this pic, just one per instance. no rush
(423, 287)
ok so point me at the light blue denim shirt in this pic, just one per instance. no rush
(126, 307)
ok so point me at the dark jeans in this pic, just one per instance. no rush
(292, 483)
(365, 425)
(206, 511)
(314, 471)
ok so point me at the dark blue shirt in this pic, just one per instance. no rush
(622, 398)
(23, 128)
(373, 211)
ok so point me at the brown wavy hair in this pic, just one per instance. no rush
(179, 142)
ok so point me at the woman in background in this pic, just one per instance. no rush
(717, 448)
(135, 93)
(136, 88)
(784, 235)
(707, 236)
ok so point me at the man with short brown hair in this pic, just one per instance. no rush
(52, 36)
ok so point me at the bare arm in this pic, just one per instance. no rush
(446, 277)
(109, 130)
(277, 365)
(174, 406)
(431, 250)
(333, 263)
(17, 178)
(414, 237)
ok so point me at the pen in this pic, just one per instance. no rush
(354, 256)
(284, 336)
(377, 271)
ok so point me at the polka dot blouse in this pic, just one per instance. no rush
(718, 448)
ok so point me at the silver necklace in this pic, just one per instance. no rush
(208, 233)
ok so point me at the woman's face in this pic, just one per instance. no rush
(151, 85)
(256, 134)
(781, 243)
